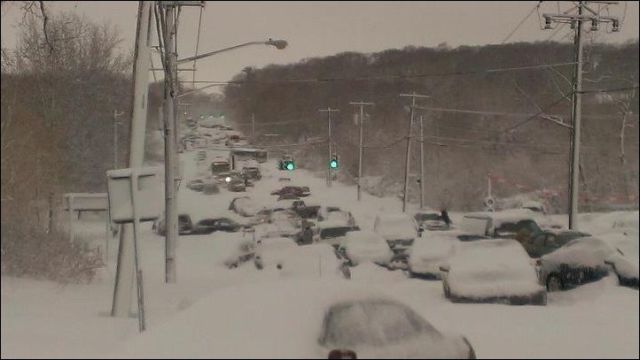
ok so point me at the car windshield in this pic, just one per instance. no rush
(425, 217)
(372, 323)
(207, 222)
(334, 232)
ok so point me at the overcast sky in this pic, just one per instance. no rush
(326, 28)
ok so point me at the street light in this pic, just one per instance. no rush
(278, 44)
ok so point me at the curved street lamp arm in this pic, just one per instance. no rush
(280, 44)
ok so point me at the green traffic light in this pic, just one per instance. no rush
(333, 164)
(290, 166)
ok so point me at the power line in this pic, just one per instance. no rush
(541, 112)
(390, 77)
(197, 45)
(521, 22)
(610, 90)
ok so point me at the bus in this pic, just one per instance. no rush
(238, 155)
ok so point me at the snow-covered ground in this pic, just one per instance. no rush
(44, 319)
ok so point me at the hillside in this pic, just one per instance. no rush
(461, 148)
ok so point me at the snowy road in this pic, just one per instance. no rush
(43, 319)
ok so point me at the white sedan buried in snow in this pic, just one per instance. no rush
(297, 319)
(361, 246)
(431, 251)
(492, 271)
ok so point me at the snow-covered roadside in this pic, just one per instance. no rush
(42, 319)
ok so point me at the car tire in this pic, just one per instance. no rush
(554, 282)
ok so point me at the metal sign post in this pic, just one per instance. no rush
(136, 236)
(133, 197)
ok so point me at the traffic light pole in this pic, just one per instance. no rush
(329, 110)
(362, 104)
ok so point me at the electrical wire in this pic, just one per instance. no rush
(392, 77)
(197, 46)
(610, 90)
(160, 35)
(541, 112)
(521, 22)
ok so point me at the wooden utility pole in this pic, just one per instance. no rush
(115, 137)
(413, 97)
(170, 155)
(421, 162)
(584, 14)
(362, 104)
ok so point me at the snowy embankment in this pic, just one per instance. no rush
(43, 319)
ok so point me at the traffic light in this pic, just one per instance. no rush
(289, 165)
(333, 164)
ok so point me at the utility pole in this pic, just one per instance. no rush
(253, 126)
(126, 269)
(170, 155)
(362, 104)
(115, 137)
(575, 20)
(329, 110)
(413, 97)
(421, 162)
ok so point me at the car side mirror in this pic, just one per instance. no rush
(342, 354)
(444, 268)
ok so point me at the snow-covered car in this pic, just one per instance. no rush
(324, 211)
(431, 251)
(236, 185)
(288, 216)
(500, 223)
(244, 206)
(185, 225)
(492, 271)
(625, 262)
(362, 246)
(299, 191)
(282, 257)
(547, 241)
(580, 261)
(210, 225)
(277, 229)
(341, 216)
(398, 229)
(431, 221)
(235, 141)
(196, 185)
(298, 319)
(251, 172)
(332, 232)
